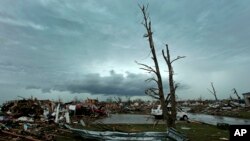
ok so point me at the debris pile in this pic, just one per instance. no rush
(35, 120)
(223, 108)
(23, 108)
(130, 107)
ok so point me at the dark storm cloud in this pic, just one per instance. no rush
(114, 84)
(45, 43)
(130, 84)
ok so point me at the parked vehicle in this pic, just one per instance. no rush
(157, 112)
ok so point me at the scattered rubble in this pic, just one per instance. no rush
(230, 108)
(35, 120)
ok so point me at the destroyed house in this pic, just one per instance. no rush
(247, 98)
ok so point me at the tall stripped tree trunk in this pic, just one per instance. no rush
(172, 87)
(157, 92)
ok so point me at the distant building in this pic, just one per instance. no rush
(247, 98)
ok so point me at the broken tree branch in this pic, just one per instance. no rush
(146, 67)
(210, 91)
(178, 57)
(151, 79)
(153, 92)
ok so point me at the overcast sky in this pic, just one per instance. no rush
(87, 48)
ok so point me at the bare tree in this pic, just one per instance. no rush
(158, 92)
(236, 93)
(213, 92)
(172, 87)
